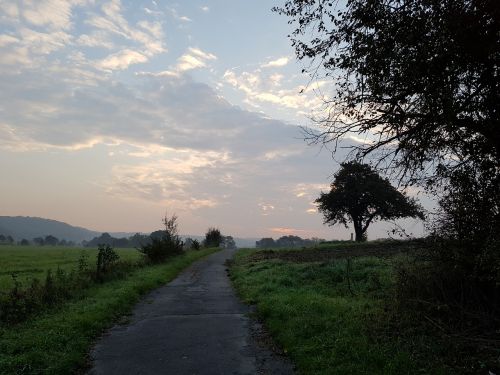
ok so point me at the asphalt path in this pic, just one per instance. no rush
(193, 325)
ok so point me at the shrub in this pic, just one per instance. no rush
(165, 245)
(195, 245)
(456, 281)
(213, 238)
(106, 258)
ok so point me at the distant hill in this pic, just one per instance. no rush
(28, 227)
(20, 227)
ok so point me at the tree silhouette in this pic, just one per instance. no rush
(213, 238)
(359, 195)
(419, 79)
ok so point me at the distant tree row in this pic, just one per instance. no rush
(137, 240)
(6, 240)
(48, 240)
(213, 238)
(287, 241)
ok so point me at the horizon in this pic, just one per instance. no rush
(120, 111)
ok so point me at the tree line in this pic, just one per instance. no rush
(48, 240)
(287, 242)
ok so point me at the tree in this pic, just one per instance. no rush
(50, 240)
(359, 195)
(195, 245)
(289, 241)
(165, 243)
(265, 243)
(419, 79)
(39, 241)
(188, 242)
(213, 238)
(228, 242)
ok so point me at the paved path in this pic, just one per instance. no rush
(193, 325)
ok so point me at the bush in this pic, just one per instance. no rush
(456, 281)
(195, 245)
(106, 257)
(167, 244)
(448, 285)
(213, 238)
(161, 249)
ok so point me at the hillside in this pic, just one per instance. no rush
(28, 227)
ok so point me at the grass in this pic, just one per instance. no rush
(28, 262)
(57, 341)
(330, 316)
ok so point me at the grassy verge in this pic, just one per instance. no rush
(330, 316)
(57, 342)
(28, 262)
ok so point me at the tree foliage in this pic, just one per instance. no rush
(213, 238)
(419, 78)
(163, 244)
(359, 195)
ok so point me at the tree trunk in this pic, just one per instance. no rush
(358, 229)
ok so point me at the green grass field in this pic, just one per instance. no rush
(329, 317)
(58, 340)
(28, 262)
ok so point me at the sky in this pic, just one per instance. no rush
(115, 112)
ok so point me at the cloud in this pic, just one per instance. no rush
(47, 26)
(175, 14)
(148, 35)
(54, 14)
(95, 39)
(6, 39)
(122, 60)
(285, 231)
(9, 9)
(154, 28)
(195, 58)
(168, 179)
(262, 87)
(205, 8)
(282, 61)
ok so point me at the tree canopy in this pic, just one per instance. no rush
(419, 79)
(213, 238)
(359, 195)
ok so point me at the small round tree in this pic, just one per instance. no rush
(359, 195)
(213, 238)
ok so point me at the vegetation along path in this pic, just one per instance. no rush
(193, 325)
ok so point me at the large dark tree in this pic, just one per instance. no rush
(359, 195)
(418, 79)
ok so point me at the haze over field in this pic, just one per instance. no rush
(112, 112)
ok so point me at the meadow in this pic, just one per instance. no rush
(333, 310)
(28, 262)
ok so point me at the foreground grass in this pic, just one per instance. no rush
(57, 342)
(327, 315)
(28, 262)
